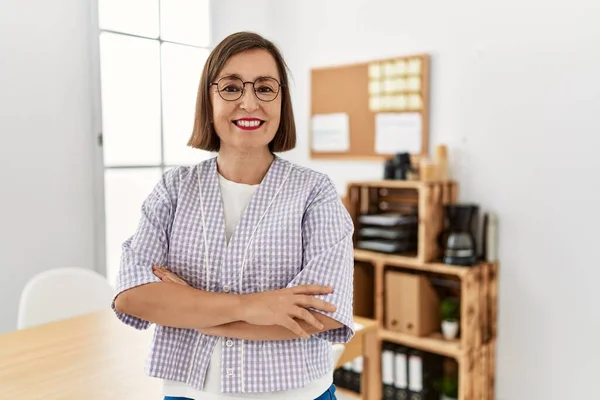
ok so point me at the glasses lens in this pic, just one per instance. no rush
(266, 89)
(230, 88)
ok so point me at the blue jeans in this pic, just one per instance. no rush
(328, 395)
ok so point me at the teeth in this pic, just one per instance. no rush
(248, 124)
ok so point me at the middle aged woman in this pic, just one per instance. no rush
(245, 261)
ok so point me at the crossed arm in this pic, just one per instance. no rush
(244, 330)
(275, 315)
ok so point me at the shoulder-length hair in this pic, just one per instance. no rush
(204, 136)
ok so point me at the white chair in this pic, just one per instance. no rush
(62, 293)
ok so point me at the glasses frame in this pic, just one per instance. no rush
(280, 86)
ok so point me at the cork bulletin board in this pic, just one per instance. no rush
(370, 111)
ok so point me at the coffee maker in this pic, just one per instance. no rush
(459, 237)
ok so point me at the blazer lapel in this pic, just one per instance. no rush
(259, 205)
(212, 220)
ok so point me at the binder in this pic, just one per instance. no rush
(387, 371)
(347, 375)
(357, 369)
(423, 370)
(401, 373)
(338, 374)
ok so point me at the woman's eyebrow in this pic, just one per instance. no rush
(229, 76)
(239, 77)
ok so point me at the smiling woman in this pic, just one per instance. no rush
(245, 79)
(245, 261)
(257, 109)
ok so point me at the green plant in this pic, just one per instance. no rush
(448, 386)
(450, 309)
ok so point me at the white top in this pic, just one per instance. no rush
(236, 197)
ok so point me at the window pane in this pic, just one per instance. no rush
(130, 82)
(185, 21)
(136, 17)
(182, 67)
(125, 191)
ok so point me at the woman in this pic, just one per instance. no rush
(245, 261)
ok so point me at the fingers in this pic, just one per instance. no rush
(167, 276)
(293, 326)
(170, 278)
(312, 289)
(304, 314)
(317, 304)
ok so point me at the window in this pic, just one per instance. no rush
(151, 57)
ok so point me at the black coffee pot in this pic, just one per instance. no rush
(397, 167)
(458, 240)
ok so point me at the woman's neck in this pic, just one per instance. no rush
(244, 167)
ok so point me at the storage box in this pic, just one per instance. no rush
(412, 305)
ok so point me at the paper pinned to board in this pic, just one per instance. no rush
(374, 71)
(398, 133)
(331, 132)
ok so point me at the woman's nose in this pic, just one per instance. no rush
(249, 102)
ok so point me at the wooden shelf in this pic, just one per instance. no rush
(348, 394)
(367, 323)
(376, 258)
(397, 184)
(433, 344)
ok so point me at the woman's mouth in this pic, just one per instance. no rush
(248, 124)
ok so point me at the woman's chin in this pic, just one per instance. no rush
(248, 146)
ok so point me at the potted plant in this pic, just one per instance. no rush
(448, 387)
(450, 312)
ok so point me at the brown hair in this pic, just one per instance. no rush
(204, 136)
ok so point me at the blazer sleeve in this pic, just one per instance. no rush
(328, 258)
(148, 246)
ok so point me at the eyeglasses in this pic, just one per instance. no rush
(231, 88)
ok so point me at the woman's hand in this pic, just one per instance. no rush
(167, 276)
(280, 307)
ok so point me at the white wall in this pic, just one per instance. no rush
(516, 95)
(46, 203)
(238, 15)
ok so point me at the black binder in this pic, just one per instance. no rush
(387, 371)
(424, 369)
(347, 376)
(357, 369)
(401, 373)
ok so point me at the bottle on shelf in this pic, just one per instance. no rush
(441, 163)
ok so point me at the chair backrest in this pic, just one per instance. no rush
(62, 293)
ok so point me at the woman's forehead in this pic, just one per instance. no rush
(250, 65)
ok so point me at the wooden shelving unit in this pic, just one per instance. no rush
(408, 262)
(474, 350)
(433, 344)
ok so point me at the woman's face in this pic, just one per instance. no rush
(248, 123)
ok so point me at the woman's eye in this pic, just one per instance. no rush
(231, 88)
(265, 89)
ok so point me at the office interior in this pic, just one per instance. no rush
(513, 94)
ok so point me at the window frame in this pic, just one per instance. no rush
(100, 245)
